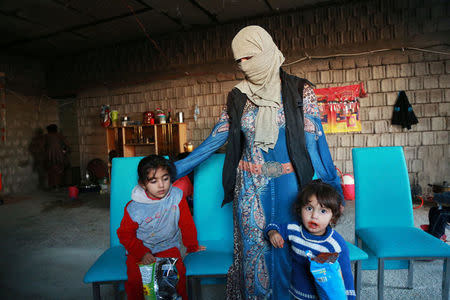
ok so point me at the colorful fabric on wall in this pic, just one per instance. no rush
(339, 107)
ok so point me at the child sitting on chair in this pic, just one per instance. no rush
(155, 222)
(316, 207)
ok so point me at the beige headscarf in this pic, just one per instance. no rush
(262, 83)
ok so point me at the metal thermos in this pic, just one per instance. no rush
(180, 117)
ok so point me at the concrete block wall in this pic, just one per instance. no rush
(197, 69)
(27, 109)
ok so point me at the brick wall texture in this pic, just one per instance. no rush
(196, 68)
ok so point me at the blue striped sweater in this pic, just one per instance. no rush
(300, 240)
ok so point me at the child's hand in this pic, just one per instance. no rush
(276, 239)
(148, 258)
(201, 248)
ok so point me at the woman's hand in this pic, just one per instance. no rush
(148, 258)
(276, 239)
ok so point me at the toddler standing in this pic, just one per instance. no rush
(155, 221)
(317, 206)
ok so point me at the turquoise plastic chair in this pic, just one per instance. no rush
(356, 256)
(214, 227)
(110, 267)
(384, 220)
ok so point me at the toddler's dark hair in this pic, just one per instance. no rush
(326, 195)
(154, 162)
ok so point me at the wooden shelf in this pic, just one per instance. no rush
(140, 144)
(166, 139)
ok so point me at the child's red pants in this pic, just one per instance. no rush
(134, 287)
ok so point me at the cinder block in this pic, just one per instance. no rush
(350, 75)
(341, 153)
(209, 100)
(444, 109)
(348, 166)
(436, 151)
(378, 72)
(436, 96)
(430, 110)
(378, 99)
(422, 152)
(303, 67)
(373, 140)
(216, 87)
(421, 96)
(348, 63)
(338, 76)
(441, 137)
(361, 62)
(373, 86)
(400, 139)
(391, 97)
(414, 138)
(437, 67)
(417, 165)
(367, 127)
(415, 83)
(392, 71)
(438, 123)
(406, 70)
(365, 73)
(394, 58)
(387, 85)
(431, 82)
(395, 128)
(346, 140)
(221, 99)
(421, 69)
(332, 140)
(322, 65)
(337, 63)
(400, 84)
(386, 140)
(313, 77)
(428, 138)
(424, 124)
(374, 113)
(410, 152)
(415, 56)
(325, 77)
(381, 126)
(374, 60)
(444, 81)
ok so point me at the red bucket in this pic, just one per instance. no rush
(348, 185)
(73, 192)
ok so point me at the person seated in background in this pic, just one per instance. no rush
(56, 156)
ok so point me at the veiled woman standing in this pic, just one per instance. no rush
(275, 146)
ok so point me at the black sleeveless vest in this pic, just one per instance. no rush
(292, 93)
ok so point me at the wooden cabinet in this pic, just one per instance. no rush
(141, 140)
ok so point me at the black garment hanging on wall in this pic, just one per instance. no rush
(403, 112)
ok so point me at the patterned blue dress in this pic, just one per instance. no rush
(260, 271)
